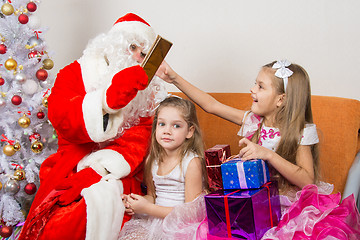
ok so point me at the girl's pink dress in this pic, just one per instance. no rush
(313, 212)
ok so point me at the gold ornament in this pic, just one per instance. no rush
(17, 146)
(19, 174)
(9, 150)
(45, 101)
(48, 64)
(37, 147)
(7, 9)
(0, 185)
(10, 64)
(24, 121)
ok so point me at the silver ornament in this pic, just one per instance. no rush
(20, 77)
(45, 84)
(12, 186)
(34, 41)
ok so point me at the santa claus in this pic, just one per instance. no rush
(101, 107)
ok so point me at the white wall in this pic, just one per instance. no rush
(219, 46)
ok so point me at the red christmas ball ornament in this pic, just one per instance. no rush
(35, 54)
(2, 81)
(40, 115)
(6, 231)
(3, 48)
(31, 6)
(16, 100)
(23, 18)
(34, 137)
(41, 74)
(30, 188)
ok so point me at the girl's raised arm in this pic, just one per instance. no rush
(201, 98)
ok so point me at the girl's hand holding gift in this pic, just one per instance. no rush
(253, 151)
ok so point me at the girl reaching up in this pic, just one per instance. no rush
(175, 176)
(279, 129)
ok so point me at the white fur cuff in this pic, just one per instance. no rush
(93, 117)
(104, 209)
(106, 162)
(106, 106)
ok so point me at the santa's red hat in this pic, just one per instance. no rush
(132, 23)
(131, 17)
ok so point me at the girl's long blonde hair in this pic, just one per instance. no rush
(194, 144)
(291, 116)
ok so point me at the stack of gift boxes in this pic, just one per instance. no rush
(243, 203)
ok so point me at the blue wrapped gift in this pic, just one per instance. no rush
(243, 214)
(239, 174)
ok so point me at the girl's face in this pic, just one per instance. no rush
(263, 93)
(172, 129)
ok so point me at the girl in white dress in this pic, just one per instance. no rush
(280, 130)
(175, 176)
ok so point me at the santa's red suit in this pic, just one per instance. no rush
(98, 159)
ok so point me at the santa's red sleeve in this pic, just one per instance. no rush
(115, 162)
(77, 113)
(124, 154)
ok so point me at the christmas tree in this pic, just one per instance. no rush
(27, 137)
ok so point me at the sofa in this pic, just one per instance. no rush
(337, 120)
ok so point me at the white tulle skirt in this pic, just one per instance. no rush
(181, 223)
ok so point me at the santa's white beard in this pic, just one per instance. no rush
(109, 54)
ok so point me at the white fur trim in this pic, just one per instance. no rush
(104, 209)
(106, 162)
(91, 69)
(93, 117)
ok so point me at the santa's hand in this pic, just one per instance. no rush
(124, 87)
(252, 150)
(75, 184)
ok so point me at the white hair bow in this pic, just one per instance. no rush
(282, 71)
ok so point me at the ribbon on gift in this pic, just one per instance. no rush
(264, 171)
(231, 158)
(227, 214)
(241, 175)
(244, 183)
(270, 210)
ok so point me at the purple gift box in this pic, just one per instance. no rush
(238, 174)
(243, 214)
